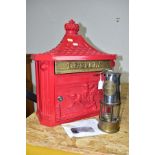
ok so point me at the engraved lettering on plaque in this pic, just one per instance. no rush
(62, 67)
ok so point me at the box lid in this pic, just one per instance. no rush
(73, 47)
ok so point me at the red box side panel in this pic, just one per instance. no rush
(45, 92)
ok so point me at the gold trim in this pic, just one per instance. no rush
(62, 67)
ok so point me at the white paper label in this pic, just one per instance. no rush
(100, 84)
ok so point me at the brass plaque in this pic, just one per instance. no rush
(109, 88)
(62, 67)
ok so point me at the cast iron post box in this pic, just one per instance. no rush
(67, 79)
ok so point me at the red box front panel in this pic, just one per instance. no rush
(80, 95)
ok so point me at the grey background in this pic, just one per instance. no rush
(104, 23)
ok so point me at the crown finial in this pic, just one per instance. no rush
(71, 27)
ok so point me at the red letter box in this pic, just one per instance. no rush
(67, 79)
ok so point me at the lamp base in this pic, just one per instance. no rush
(109, 127)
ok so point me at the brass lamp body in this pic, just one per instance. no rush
(109, 119)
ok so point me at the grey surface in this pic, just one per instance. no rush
(104, 23)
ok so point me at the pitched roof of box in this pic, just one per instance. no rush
(73, 47)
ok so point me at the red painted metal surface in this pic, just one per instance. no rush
(81, 98)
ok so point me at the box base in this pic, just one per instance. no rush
(48, 121)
